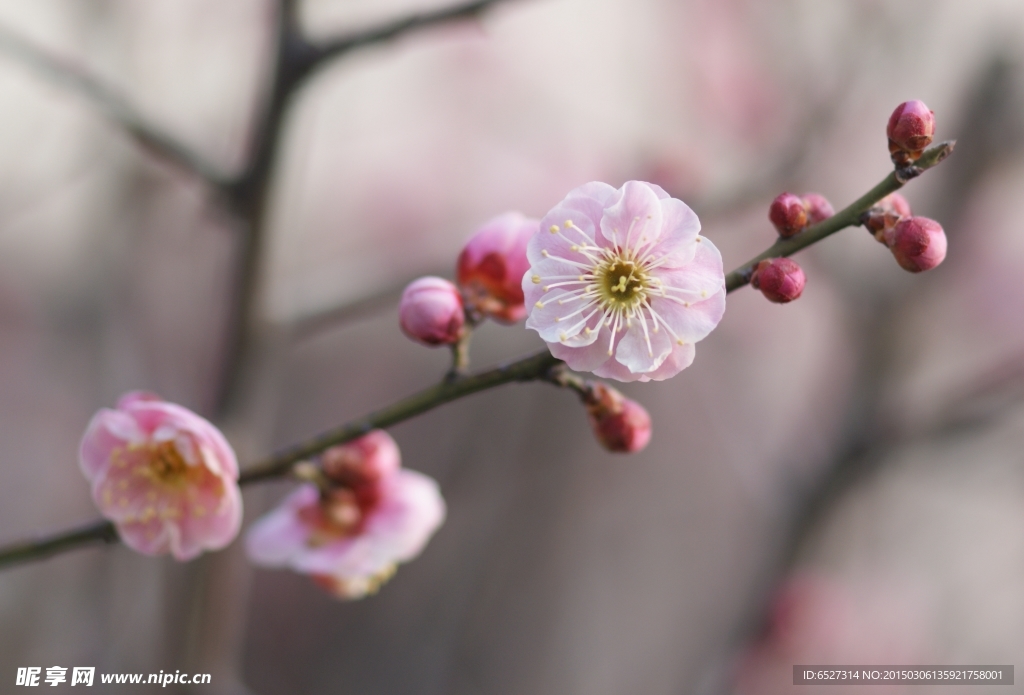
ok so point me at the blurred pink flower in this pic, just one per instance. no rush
(165, 476)
(621, 284)
(351, 538)
(492, 264)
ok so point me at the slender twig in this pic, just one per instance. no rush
(37, 549)
(850, 216)
(341, 45)
(116, 108)
(540, 366)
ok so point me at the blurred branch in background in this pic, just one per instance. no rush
(113, 105)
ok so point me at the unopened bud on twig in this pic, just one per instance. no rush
(780, 280)
(431, 312)
(911, 128)
(918, 243)
(620, 424)
(885, 214)
(818, 208)
(788, 214)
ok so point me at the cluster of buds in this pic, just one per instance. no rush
(910, 130)
(349, 531)
(917, 243)
(791, 214)
(490, 269)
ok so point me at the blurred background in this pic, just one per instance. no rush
(838, 480)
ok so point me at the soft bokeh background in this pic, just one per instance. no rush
(834, 481)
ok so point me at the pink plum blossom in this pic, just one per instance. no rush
(350, 536)
(165, 476)
(492, 264)
(621, 284)
(431, 312)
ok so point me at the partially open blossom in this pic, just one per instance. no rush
(165, 476)
(620, 424)
(910, 130)
(351, 537)
(491, 267)
(918, 243)
(431, 312)
(885, 214)
(621, 284)
(788, 214)
(817, 206)
(781, 280)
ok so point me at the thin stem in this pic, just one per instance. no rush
(37, 549)
(847, 217)
(540, 366)
(113, 105)
(341, 45)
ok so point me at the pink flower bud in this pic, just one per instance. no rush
(431, 312)
(918, 243)
(620, 424)
(165, 476)
(781, 280)
(910, 130)
(818, 208)
(492, 264)
(788, 214)
(885, 214)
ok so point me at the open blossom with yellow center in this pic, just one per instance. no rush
(621, 283)
(165, 476)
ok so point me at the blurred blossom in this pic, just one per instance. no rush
(165, 476)
(431, 312)
(492, 264)
(818, 207)
(351, 537)
(621, 284)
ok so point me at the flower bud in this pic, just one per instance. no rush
(788, 214)
(431, 312)
(781, 280)
(918, 243)
(364, 461)
(910, 130)
(620, 424)
(492, 264)
(818, 208)
(885, 214)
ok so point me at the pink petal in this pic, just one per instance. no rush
(107, 430)
(679, 359)
(633, 351)
(692, 323)
(676, 241)
(636, 208)
(280, 536)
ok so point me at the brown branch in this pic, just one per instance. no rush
(113, 105)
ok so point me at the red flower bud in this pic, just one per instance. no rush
(910, 130)
(788, 214)
(818, 208)
(781, 280)
(431, 312)
(492, 264)
(918, 243)
(620, 424)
